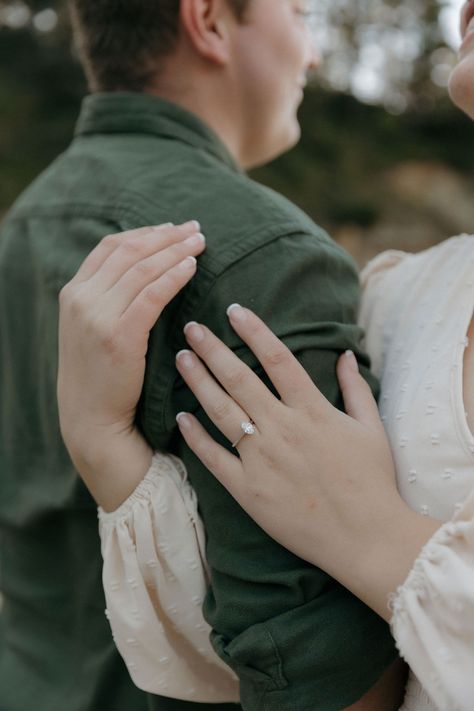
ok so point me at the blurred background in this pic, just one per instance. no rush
(385, 160)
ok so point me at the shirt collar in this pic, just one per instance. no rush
(127, 112)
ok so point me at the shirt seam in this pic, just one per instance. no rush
(200, 296)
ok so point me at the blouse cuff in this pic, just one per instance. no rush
(155, 578)
(161, 466)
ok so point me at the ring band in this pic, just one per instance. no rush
(248, 429)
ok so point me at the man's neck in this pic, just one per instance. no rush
(199, 98)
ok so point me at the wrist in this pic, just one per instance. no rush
(395, 545)
(112, 464)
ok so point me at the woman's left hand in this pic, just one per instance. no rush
(320, 482)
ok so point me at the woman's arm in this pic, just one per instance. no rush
(320, 482)
(106, 313)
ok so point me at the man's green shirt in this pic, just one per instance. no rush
(295, 637)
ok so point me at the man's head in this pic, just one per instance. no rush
(238, 64)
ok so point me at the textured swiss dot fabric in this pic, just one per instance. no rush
(417, 310)
(155, 578)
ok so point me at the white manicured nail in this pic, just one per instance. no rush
(352, 360)
(236, 312)
(183, 420)
(194, 332)
(185, 358)
(195, 240)
(160, 227)
(188, 263)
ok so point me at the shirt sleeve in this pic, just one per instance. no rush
(433, 614)
(286, 628)
(155, 578)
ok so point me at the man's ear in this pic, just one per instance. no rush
(207, 24)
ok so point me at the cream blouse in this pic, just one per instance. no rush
(416, 311)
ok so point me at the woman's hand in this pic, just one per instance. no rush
(106, 313)
(320, 482)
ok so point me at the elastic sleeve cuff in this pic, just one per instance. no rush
(162, 465)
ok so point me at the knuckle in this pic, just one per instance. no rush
(221, 409)
(276, 357)
(131, 247)
(72, 300)
(153, 294)
(237, 377)
(111, 240)
(144, 269)
(255, 326)
(313, 412)
(207, 350)
(171, 279)
(109, 341)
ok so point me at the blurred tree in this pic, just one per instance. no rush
(390, 52)
(40, 89)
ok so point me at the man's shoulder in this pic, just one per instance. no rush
(254, 222)
(128, 182)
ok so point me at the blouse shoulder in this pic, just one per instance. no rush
(380, 286)
(380, 264)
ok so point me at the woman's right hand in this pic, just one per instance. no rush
(106, 313)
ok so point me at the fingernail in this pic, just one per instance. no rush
(160, 227)
(352, 360)
(183, 420)
(185, 359)
(236, 312)
(192, 223)
(188, 263)
(194, 332)
(195, 240)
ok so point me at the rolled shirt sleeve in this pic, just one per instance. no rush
(285, 627)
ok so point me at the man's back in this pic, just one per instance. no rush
(296, 639)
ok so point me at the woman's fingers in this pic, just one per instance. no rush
(290, 379)
(142, 313)
(224, 412)
(238, 379)
(149, 270)
(106, 246)
(358, 399)
(226, 467)
(117, 253)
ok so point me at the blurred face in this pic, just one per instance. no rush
(273, 50)
(461, 84)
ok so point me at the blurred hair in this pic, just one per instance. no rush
(120, 42)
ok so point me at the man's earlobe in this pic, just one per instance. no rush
(206, 25)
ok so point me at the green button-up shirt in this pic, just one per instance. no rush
(296, 638)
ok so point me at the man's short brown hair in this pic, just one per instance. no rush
(120, 42)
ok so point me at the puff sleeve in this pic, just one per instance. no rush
(155, 578)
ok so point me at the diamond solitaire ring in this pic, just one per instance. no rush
(248, 428)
